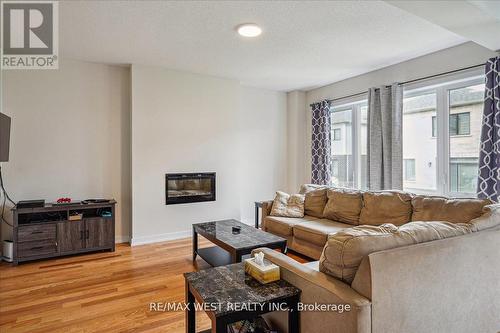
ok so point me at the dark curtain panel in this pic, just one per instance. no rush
(488, 185)
(321, 143)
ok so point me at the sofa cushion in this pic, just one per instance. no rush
(317, 231)
(283, 226)
(386, 207)
(344, 205)
(315, 201)
(345, 249)
(428, 208)
(489, 219)
(288, 205)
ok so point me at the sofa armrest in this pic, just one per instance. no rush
(266, 210)
(448, 285)
(320, 288)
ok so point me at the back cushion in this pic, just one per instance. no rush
(386, 207)
(315, 203)
(345, 249)
(344, 205)
(427, 208)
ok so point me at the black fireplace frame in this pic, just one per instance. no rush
(194, 198)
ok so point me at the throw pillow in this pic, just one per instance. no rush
(287, 205)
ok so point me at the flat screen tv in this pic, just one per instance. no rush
(4, 137)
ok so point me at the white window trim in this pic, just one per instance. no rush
(442, 86)
(355, 103)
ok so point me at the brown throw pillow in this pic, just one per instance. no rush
(386, 207)
(287, 205)
(428, 208)
(344, 205)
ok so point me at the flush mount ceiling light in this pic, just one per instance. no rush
(249, 30)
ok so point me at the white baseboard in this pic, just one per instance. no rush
(122, 239)
(160, 238)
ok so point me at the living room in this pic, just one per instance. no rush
(151, 152)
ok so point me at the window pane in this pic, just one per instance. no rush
(342, 148)
(409, 170)
(464, 123)
(466, 106)
(419, 143)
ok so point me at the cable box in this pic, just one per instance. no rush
(30, 204)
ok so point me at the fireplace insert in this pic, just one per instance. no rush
(189, 187)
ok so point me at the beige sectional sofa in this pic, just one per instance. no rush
(434, 268)
(329, 210)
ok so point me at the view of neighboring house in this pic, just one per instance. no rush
(419, 156)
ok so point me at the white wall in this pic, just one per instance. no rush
(297, 128)
(184, 122)
(70, 135)
(263, 142)
(461, 56)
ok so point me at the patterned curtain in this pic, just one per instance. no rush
(321, 143)
(488, 185)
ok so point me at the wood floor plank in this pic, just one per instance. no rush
(100, 292)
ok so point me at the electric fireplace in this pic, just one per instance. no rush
(189, 187)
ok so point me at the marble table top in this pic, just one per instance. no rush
(249, 237)
(230, 284)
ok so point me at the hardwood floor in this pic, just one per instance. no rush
(101, 292)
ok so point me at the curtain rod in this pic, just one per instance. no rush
(409, 81)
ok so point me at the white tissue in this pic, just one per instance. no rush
(259, 258)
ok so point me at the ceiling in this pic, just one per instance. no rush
(304, 44)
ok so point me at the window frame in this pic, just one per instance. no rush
(355, 104)
(442, 86)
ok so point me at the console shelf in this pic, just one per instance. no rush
(47, 232)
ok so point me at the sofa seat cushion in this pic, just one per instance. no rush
(344, 205)
(317, 231)
(382, 207)
(429, 208)
(346, 249)
(283, 226)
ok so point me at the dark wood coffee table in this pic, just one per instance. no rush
(230, 295)
(230, 247)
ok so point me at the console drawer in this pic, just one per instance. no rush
(36, 248)
(36, 232)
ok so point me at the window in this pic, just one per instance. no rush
(459, 124)
(337, 134)
(335, 168)
(349, 119)
(409, 169)
(463, 175)
(419, 109)
(441, 134)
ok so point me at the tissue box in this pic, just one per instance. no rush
(264, 274)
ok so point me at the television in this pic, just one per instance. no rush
(4, 137)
